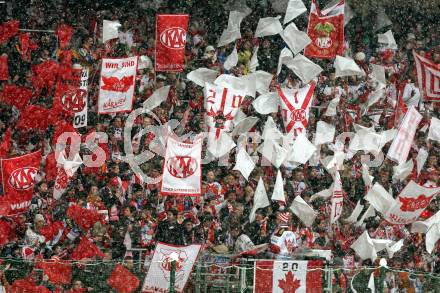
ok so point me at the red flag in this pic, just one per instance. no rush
(17, 96)
(4, 69)
(45, 74)
(69, 100)
(6, 231)
(28, 286)
(86, 249)
(51, 167)
(8, 30)
(82, 217)
(51, 230)
(35, 117)
(18, 181)
(64, 34)
(326, 32)
(170, 41)
(26, 46)
(62, 127)
(122, 280)
(5, 145)
(57, 272)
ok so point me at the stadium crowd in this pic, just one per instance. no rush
(137, 216)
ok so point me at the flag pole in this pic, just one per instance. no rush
(172, 276)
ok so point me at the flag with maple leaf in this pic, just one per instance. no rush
(288, 276)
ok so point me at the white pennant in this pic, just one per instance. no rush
(304, 68)
(331, 108)
(268, 26)
(378, 73)
(302, 150)
(110, 30)
(324, 194)
(278, 189)
(324, 133)
(266, 103)
(346, 67)
(202, 75)
(228, 37)
(422, 155)
(253, 64)
(371, 285)
(260, 200)
(286, 56)
(355, 213)
(379, 198)
(364, 247)
(388, 40)
(244, 125)
(402, 171)
(273, 152)
(434, 129)
(231, 60)
(221, 146)
(296, 40)
(159, 96)
(294, 9)
(303, 211)
(244, 163)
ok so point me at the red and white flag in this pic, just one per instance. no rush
(295, 107)
(401, 144)
(337, 199)
(410, 203)
(158, 276)
(277, 276)
(171, 41)
(326, 30)
(18, 177)
(182, 169)
(221, 104)
(428, 77)
(80, 119)
(116, 86)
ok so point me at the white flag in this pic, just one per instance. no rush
(401, 145)
(285, 57)
(220, 145)
(182, 168)
(263, 80)
(346, 67)
(434, 129)
(158, 97)
(268, 26)
(378, 73)
(379, 198)
(422, 155)
(304, 68)
(400, 172)
(244, 125)
(231, 60)
(260, 200)
(303, 211)
(294, 9)
(296, 40)
(266, 103)
(355, 213)
(364, 247)
(202, 75)
(158, 276)
(388, 40)
(324, 133)
(244, 163)
(371, 283)
(278, 189)
(116, 86)
(273, 152)
(110, 30)
(302, 150)
(382, 20)
(432, 236)
(228, 37)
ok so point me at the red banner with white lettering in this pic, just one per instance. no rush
(182, 169)
(18, 177)
(410, 203)
(326, 30)
(170, 41)
(278, 276)
(116, 87)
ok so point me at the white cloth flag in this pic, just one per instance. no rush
(116, 86)
(364, 247)
(202, 75)
(400, 172)
(388, 40)
(431, 227)
(158, 276)
(65, 170)
(231, 60)
(371, 285)
(266, 103)
(273, 152)
(294, 9)
(246, 83)
(324, 133)
(401, 144)
(346, 67)
(228, 37)
(368, 214)
(268, 26)
(158, 97)
(232, 32)
(410, 203)
(244, 163)
(304, 68)
(382, 20)
(332, 106)
(263, 80)
(220, 145)
(221, 104)
(379, 198)
(260, 199)
(286, 57)
(278, 189)
(302, 150)
(337, 199)
(296, 40)
(434, 129)
(270, 131)
(182, 168)
(432, 236)
(253, 64)
(422, 155)
(368, 179)
(303, 211)
(244, 125)
(324, 194)
(355, 214)
(378, 73)
(110, 30)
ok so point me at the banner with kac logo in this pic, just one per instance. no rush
(171, 41)
(80, 118)
(158, 276)
(18, 179)
(182, 168)
(117, 85)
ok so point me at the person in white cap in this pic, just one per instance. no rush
(283, 241)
